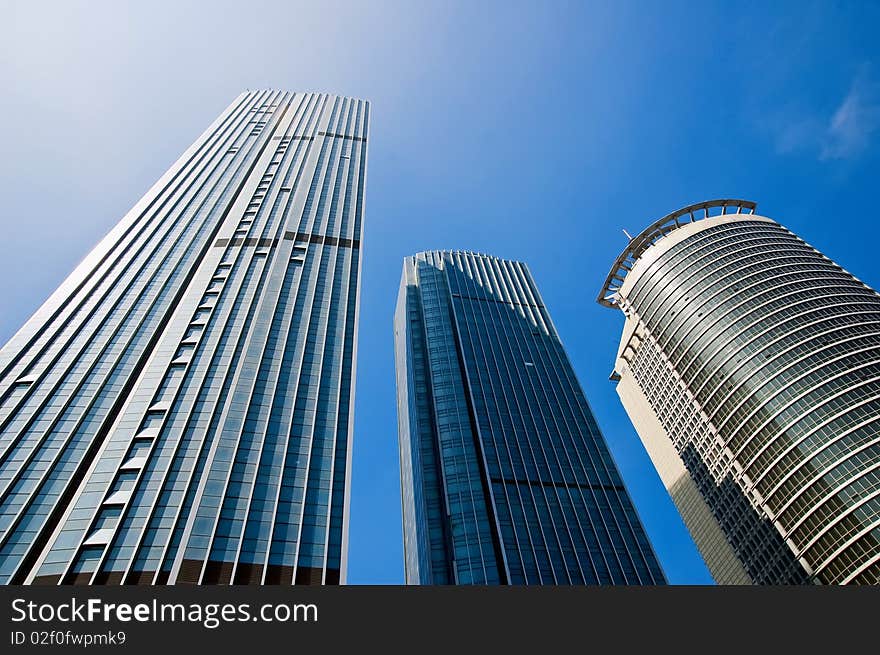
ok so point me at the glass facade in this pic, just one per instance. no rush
(759, 359)
(505, 476)
(180, 409)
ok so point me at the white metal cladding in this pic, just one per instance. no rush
(761, 359)
(180, 410)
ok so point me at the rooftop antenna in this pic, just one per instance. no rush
(627, 234)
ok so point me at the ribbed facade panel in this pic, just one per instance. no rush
(506, 478)
(179, 411)
(761, 359)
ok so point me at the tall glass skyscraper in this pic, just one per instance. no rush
(180, 409)
(750, 367)
(505, 476)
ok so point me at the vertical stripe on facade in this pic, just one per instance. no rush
(149, 392)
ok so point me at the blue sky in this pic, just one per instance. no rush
(534, 131)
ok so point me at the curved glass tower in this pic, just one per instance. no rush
(505, 476)
(750, 367)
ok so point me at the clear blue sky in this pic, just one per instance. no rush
(530, 131)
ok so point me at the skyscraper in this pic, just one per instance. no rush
(750, 367)
(505, 476)
(180, 409)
